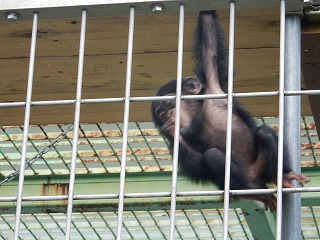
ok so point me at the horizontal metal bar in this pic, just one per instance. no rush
(161, 98)
(102, 100)
(301, 190)
(162, 194)
(72, 8)
(12, 104)
(53, 102)
(152, 98)
(302, 92)
(35, 198)
(200, 193)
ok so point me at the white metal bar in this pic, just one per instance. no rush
(76, 123)
(12, 104)
(281, 120)
(302, 92)
(177, 124)
(161, 98)
(162, 194)
(26, 124)
(54, 102)
(226, 194)
(125, 122)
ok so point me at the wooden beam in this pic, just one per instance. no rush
(154, 63)
(310, 47)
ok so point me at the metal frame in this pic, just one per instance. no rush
(48, 9)
(26, 123)
(72, 8)
(76, 123)
(292, 81)
(281, 120)
(126, 122)
(177, 124)
(226, 195)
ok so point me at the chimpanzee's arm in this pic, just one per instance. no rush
(210, 53)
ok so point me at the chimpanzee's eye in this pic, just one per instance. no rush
(171, 103)
(162, 116)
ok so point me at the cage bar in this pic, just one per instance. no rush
(162, 194)
(76, 124)
(177, 123)
(292, 202)
(26, 124)
(174, 218)
(162, 98)
(226, 195)
(125, 122)
(281, 120)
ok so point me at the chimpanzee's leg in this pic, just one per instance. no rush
(266, 164)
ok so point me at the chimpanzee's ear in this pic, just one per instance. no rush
(191, 86)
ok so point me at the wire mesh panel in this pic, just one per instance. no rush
(117, 179)
(190, 224)
(99, 148)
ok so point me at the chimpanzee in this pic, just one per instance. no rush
(204, 124)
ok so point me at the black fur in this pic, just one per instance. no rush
(203, 124)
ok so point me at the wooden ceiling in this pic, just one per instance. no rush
(154, 63)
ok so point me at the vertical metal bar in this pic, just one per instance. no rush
(281, 120)
(125, 122)
(76, 123)
(229, 123)
(177, 124)
(292, 112)
(26, 124)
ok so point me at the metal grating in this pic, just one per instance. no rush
(99, 148)
(310, 222)
(191, 224)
